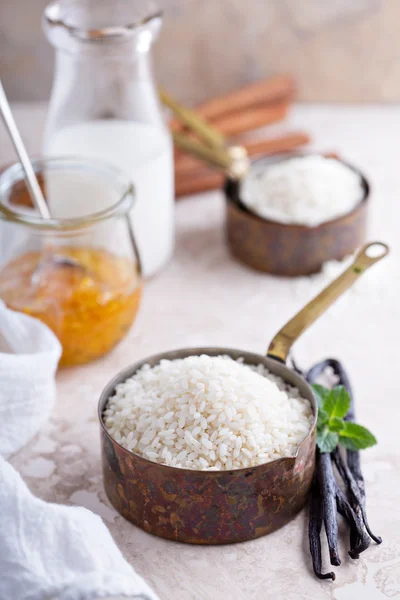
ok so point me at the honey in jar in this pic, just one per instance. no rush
(79, 271)
(87, 296)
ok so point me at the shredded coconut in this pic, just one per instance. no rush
(305, 190)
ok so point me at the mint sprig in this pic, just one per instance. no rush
(356, 437)
(332, 429)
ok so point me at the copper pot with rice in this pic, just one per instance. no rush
(223, 506)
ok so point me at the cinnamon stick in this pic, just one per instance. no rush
(203, 180)
(252, 118)
(267, 91)
(185, 163)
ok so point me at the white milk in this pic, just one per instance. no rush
(145, 154)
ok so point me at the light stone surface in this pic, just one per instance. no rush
(203, 297)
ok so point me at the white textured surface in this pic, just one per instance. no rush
(205, 298)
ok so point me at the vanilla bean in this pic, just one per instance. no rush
(357, 498)
(354, 467)
(347, 476)
(314, 530)
(337, 367)
(352, 472)
(328, 487)
(327, 497)
(359, 540)
(296, 367)
(353, 510)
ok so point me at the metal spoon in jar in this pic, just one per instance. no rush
(32, 183)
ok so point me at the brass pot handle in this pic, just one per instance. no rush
(282, 342)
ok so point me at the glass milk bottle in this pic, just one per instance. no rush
(104, 105)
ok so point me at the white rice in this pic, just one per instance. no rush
(306, 190)
(208, 413)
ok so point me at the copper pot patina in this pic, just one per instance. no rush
(291, 250)
(221, 507)
(208, 507)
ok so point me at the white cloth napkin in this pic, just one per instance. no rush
(47, 551)
(29, 354)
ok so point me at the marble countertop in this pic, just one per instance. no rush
(205, 298)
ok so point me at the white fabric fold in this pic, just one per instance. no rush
(29, 354)
(47, 551)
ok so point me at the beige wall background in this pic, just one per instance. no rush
(339, 50)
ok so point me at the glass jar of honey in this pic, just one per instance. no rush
(78, 272)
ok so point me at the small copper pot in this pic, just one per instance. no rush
(291, 250)
(220, 507)
(208, 507)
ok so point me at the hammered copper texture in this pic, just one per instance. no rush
(290, 250)
(206, 507)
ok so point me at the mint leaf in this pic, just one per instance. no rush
(333, 406)
(336, 424)
(323, 417)
(356, 437)
(321, 393)
(337, 403)
(327, 440)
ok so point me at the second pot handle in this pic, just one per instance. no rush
(368, 255)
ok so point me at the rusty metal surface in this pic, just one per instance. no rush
(291, 250)
(208, 507)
